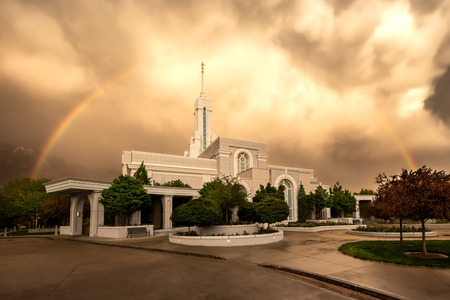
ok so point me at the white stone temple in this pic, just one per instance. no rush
(208, 156)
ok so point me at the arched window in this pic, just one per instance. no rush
(243, 162)
(288, 196)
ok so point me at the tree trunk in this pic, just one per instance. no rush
(401, 231)
(424, 244)
(226, 216)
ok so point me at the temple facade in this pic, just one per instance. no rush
(210, 156)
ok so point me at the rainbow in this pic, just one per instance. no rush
(401, 146)
(72, 116)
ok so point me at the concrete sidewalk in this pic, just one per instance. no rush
(318, 253)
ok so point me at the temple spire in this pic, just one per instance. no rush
(203, 71)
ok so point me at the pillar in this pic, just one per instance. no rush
(97, 212)
(357, 214)
(76, 214)
(167, 202)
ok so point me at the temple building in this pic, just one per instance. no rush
(208, 157)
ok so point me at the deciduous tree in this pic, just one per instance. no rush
(125, 196)
(422, 194)
(200, 212)
(227, 192)
(271, 210)
(23, 200)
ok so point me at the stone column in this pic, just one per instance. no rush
(76, 215)
(167, 202)
(95, 213)
(357, 214)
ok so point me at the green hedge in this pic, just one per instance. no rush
(389, 229)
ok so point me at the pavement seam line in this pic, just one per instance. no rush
(333, 281)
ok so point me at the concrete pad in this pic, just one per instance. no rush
(62, 269)
(409, 282)
(314, 265)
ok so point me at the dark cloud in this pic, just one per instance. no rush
(340, 5)
(442, 56)
(296, 75)
(439, 102)
(420, 7)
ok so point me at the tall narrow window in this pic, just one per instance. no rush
(243, 162)
(288, 196)
(204, 128)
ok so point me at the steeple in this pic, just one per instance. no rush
(203, 71)
(202, 123)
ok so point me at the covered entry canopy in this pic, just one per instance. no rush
(81, 189)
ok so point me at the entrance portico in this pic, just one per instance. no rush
(81, 190)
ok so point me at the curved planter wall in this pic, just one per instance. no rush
(227, 229)
(227, 241)
(318, 228)
(392, 234)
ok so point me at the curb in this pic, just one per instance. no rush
(151, 249)
(333, 281)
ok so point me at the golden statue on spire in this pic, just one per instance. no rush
(203, 66)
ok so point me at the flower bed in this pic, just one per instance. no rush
(315, 226)
(312, 224)
(388, 229)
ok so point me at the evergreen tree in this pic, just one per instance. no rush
(268, 191)
(302, 204)
(142, 175)
(342, 200)
(177, 183)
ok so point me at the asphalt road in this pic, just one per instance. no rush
(39, 268)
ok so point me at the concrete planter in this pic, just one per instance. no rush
(119, 232)
(64, 230)
(227, 241)
(392, 234)
(318, 228)
(227, 229)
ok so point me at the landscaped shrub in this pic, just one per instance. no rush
(272, 210)
(388, 229)
(311, 224)
(247, 212)
(200, 212)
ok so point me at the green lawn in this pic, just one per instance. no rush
(390, 251)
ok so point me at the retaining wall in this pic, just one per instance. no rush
(227, 241)
(318, 228)
(392, 234)
(227, 229)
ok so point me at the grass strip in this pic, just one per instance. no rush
(392, 252)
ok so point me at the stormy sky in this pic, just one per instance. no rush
(347, 88)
